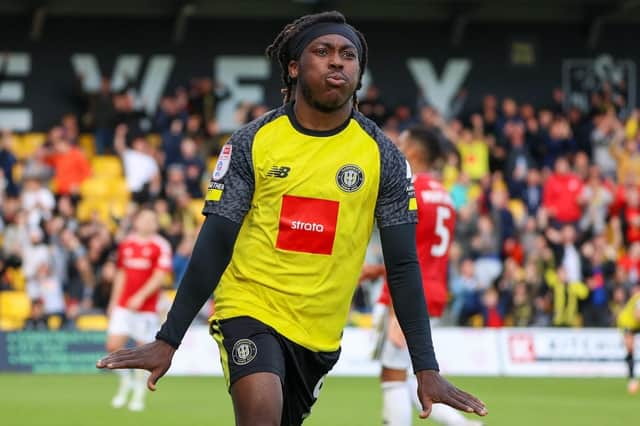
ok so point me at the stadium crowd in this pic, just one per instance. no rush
(548, 200)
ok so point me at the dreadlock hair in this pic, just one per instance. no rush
(279, 49)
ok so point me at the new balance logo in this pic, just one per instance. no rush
(279, 172)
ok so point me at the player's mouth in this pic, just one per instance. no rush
(336, 79)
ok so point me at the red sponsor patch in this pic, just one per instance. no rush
(521, 348)
(307, 225)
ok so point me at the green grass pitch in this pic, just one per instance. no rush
(72, 400)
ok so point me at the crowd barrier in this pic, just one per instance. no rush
(544, 352)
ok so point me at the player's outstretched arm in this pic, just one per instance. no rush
(405, 286)
(210, 257)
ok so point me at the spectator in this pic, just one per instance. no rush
(565, 251)
(487, 249)
(171, 139)
(627, 158)
(464, 292)
(194, 167)
(492, 315)
(140, 168)
(519, 160)
(372, 106)
(37, 201)
(561, 194)
(531, 194)
(598, 269)
(7, 162)
(70, 166)
(205, 97)
(522, 311)
(474, 155)
(566, 296)
(104, 115)
(595, 199)
(559, 142)
(605, 131)
(45, 291)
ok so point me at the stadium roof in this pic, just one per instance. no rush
(586, 11)
(592, 15)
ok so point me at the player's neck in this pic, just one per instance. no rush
(313, 119)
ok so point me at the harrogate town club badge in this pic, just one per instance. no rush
(350, 178)
(244, 351)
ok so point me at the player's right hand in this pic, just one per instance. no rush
(154, 357)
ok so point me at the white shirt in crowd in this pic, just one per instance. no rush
(139, 169)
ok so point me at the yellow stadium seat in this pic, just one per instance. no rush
(54, 322)
(27, 144)
(118, 207)
(15, 308)
(96, 187)
(118, 189)
(87, 144)
(196, 209)
(9, 324)
(95, 322)
(106, 166)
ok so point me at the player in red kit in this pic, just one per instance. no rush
(144, 259)
(434, 233)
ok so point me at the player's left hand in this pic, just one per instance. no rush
(433, 388)
(135, 302)
(154, 357)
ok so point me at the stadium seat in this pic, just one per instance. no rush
(27, 144)
(118, 189)
(87, 144)
(54, 322)
(15, 308)
(106, 166)
(96, 187)
(93, 322)
(196, 209)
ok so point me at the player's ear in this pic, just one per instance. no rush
(293, 69)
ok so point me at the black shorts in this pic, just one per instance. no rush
(249, 346)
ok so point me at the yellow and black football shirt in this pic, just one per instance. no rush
(306, 201)
(628, 319)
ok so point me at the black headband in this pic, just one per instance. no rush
(301, 40)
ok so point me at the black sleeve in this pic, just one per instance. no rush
(210, 257)
(405, 285)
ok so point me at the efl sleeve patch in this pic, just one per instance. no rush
(232, 181)
(224, 161)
